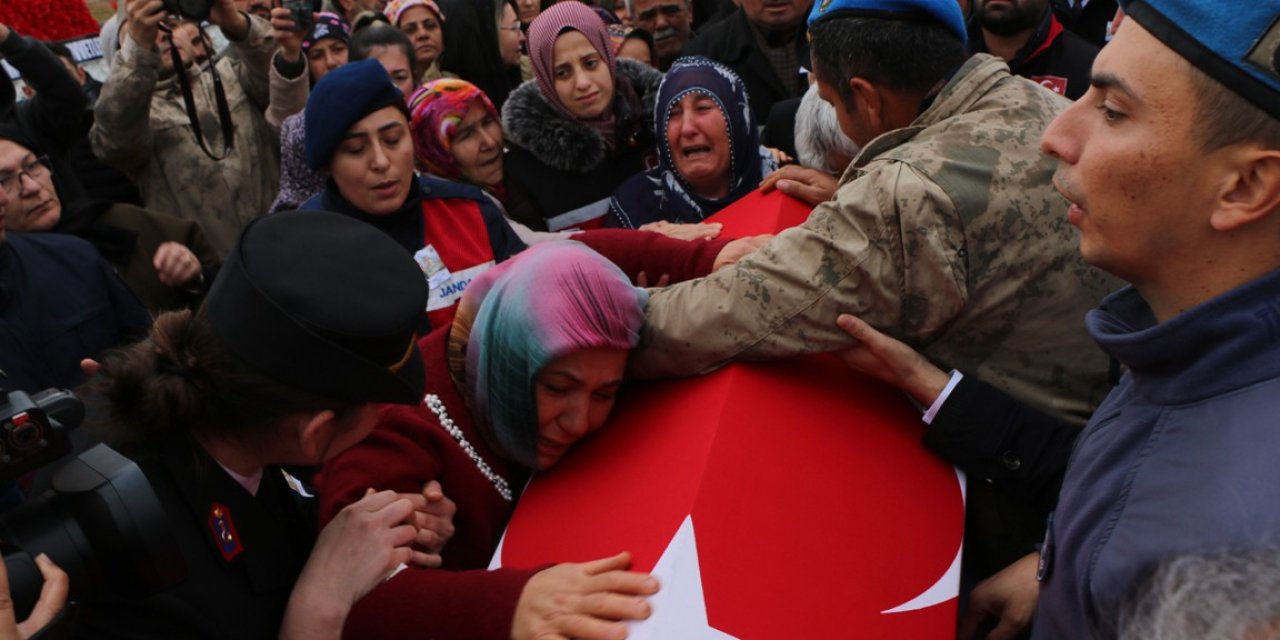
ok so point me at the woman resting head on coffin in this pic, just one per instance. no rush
(530, 366)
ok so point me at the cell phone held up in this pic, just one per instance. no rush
(303, 13)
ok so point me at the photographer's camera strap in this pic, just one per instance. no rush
(219, 96)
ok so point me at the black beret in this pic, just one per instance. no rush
(324, 303)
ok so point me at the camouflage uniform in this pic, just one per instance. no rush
(946, 234)
(142, 128)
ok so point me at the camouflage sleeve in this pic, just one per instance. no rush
(886, 249)
(288, 95)
(121, 133)
(251, 58)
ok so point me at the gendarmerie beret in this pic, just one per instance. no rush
(342, 98)
(945, 12)
(324, 303)
(1235, 42)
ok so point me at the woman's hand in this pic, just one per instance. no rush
(891, 361)
(589, 600)
(699, 231)
(739, 249)
(175, 264)
(433, 516)
(802, 183)
(1000, 607)
(53, 596)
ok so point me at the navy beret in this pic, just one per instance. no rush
(1236, 43)
(946, 12)
(341, 98)
(324, 303)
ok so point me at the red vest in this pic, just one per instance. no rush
(455, 250)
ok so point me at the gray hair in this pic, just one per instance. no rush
(1221, 595)
(818, 134)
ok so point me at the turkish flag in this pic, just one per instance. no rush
(789, 499)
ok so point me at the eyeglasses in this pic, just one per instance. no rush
(37, 169)
(668, 10)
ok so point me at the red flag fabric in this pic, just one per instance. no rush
(801, 489)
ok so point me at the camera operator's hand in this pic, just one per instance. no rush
(233, 22)
(286, 34)
(145, 17)
(53, 596)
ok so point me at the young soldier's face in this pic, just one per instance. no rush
(1141, 187)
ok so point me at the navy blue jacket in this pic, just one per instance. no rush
(1180, 458)
(59, 302)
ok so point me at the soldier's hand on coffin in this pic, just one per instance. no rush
(802, 183)
(700, 231)
(53, 596)
(739, 249)
(1001, 607)
(891, 361)
(589, 600)
(433, 515)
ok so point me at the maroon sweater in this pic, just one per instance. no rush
(406, 450)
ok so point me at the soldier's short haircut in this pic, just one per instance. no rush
(904, 55)
(1227, 119)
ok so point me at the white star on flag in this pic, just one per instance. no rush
(679, 610)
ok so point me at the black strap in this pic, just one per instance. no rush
(219, 96)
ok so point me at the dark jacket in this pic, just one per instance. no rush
(59, 303)
(559, 173)
(128, 237)
(731, 42)
(1053, 57)
(1090, 22)
(1180, 458)
(235, 590)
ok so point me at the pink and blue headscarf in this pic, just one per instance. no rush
(550, 300)
(662, 193)
(436, 110)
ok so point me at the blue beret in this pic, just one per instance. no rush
(946, 12)
(341, 98)
(1236, 43)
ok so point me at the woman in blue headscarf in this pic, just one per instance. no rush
(709, 149)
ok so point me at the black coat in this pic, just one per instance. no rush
(243, 597)
(1053, 57)
(731, 42)
(1090, 22)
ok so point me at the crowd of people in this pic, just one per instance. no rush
(340, 281)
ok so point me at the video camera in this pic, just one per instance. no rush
(101, 521)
